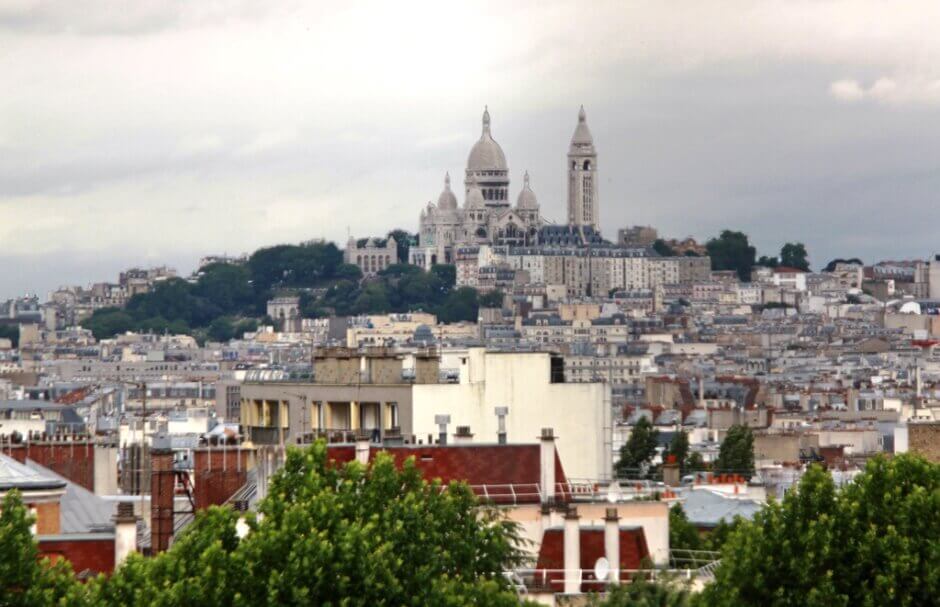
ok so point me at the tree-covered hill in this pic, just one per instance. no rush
(225, 300)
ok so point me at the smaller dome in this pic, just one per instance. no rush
(527, 199)
(447, 201)
(475, 197)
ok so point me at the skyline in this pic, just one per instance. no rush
(796, 122)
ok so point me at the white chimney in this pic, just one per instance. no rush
(125, 532)
(612, 543)
(362, 450)
(546, 517)
(547, 465)
(572, 551)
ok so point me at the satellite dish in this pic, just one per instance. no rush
(601, 569)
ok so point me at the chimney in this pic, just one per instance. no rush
(546, 517)
(162, 490)
(501, 413)
(572, 536)
(612, 544)
(547, 465)
(362, 450)
(125, 532)
(463, 436)
(442, 421)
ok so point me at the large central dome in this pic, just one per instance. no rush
(486, 155)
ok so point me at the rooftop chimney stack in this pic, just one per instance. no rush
(572, 537)
(501, 413)
(442, 421)
(125, 532)
(612, 543)
(362, 450)
(547, 465)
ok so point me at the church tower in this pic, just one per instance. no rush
(582, 177)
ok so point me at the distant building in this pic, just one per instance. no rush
(371, 255)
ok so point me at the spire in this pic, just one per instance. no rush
(525, 180)
(486, 120)
(447, 180)
(582, 117)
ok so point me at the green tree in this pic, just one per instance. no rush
(768, 262)
(831, 266)
(641, 592)
(460, 305)
(491, 299)
(639, 449)
(736, 454)
(26, 580)
(403, 242)
(679, 448)
(11, 332)
(794, 255)
(660, 246)
(221, 329)
(227, 286)
(682, 534)
(874, 542)
(732, 251)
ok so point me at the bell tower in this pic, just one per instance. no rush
(582, 177)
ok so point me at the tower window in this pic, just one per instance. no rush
(587, 165)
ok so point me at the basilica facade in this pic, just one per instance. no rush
(488, 216)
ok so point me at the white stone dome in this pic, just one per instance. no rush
(447, 201)
(527, 199)
(486, 155)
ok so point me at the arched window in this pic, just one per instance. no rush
(587, 165)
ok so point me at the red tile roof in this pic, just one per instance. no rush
(503, 473)
(551, 561)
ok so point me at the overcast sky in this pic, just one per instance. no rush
(153, 132)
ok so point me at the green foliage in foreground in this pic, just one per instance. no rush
(874, 542)
(329, 535)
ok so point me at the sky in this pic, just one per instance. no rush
(157, 132)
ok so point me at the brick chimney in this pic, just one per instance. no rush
(162, 489)
(547, 465)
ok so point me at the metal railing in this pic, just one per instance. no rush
(556, 580)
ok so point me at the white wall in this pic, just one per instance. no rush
(578, 413)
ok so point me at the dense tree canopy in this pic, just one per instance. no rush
(219, 304)
(831, 266)
(660, 246)
(874, 542)
(732, 251)
(11, 332)
(639, 449)
(25, 579)
(736, 454)
(794, 255)
(330, 535)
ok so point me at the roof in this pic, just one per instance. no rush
(82, 511)
(14, 475)
(706, 508)
(497, 467)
